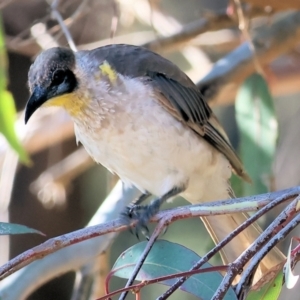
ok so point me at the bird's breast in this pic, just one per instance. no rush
(132, 135)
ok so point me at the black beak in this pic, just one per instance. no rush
(37, 98)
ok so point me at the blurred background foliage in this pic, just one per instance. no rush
(63, 188)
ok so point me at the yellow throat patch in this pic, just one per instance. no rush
(76, 102)
(70, 102)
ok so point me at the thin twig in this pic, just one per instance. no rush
(240, 262)
(56, 15)
(243, 26)
(277, 223)
(158, 230)
(224, 242)
(139, 286)
(114, 20)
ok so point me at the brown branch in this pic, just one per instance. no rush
(158, 230)
(137, 287)
(239, 263)
(29, 46)
(57, 177)
(55, 244)
(211, 22)
(57, 16)
(223, 243)
(269, 43)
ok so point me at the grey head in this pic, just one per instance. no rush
(51, 75)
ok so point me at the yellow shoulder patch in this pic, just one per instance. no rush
(108, 71)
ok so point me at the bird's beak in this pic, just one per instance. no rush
(38, 97)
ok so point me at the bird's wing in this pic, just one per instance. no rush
(187, 105)
(174, 91)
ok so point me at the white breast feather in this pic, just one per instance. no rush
(136, 138)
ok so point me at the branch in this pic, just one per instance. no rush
(282, 222)
(23, 282)
(190, 31)
(245, 204)
(220, 84)
(51, 185)
(137, 287)
(158, 230)
(56, 15)
(223, 243)
(210, 22)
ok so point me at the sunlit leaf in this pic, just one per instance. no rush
(7, 106)
(167, 258)
(270, 291)
(9, 229)
(255, 114)
(7, 123)
(290, 278)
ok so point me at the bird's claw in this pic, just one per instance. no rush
(141, 213)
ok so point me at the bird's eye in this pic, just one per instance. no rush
(58, 77)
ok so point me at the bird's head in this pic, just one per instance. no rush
(51, 80)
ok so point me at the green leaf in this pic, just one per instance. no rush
(237, 185)
(256, 118)
(270, 291)
(9, 229)
(166, 258)
(7, 121)
(7, 106)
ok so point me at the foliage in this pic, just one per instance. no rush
(257, 123)
(9, 229)
(7, 106)
(166, 258)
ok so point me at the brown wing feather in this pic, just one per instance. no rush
(191, 109)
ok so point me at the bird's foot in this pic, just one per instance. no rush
(141, 213)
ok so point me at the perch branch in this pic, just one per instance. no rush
(245, 204)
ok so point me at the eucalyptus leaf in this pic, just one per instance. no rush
(270, 291)
(256, 118)
(9, 229)
(166, 258)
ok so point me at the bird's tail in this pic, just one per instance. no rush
(221, 226)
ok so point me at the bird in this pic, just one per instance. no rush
(144, 119)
